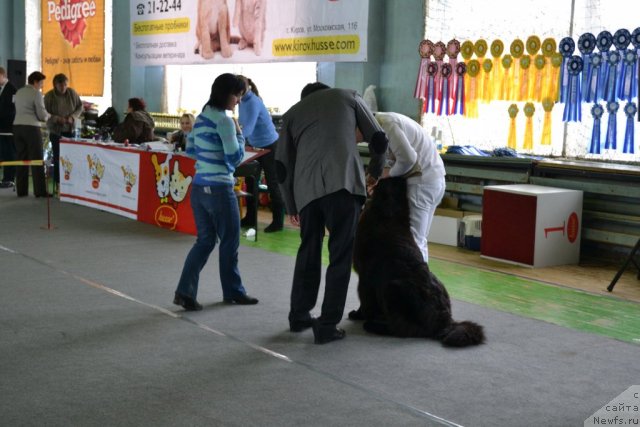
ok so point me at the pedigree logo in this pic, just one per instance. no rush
(72, 15)
(166, 217)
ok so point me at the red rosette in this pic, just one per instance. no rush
(453, 48)
(426, 48)
(73, 32)
(432, 69)
(461, 68)
(446, 70)
(439, 50)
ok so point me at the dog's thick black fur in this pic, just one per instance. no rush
(398, 294)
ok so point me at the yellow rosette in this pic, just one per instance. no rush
(537, 78)
(552, 82)
(497, 47)
(525, 66)
(517, 51)
(487, 80)
(547, 105)
(529, 111)
(549, 47)
(480, 48)
(513, 112)
(466, 50)
(471, 88)
(507, 77)
(533, 45)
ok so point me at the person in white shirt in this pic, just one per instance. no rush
(412, 153)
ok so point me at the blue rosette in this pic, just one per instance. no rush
(566, 47)
(597, 112)
(630, 111)
(586, 46)
(611, 140)
(593, 78)
(604, 41)
(572, 110)
(611, 81)
(627, 81)
(445, 73)
(432, 72)
(635, 38)
(622, 39)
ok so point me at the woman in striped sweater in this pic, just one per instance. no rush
(217, 144)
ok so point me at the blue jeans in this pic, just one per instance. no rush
(217, 216)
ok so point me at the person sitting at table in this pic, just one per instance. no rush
(137, 126)
(179, 138)
(260, 132)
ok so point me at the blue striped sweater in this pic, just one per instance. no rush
(217, 148)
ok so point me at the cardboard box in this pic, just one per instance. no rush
(444, 229)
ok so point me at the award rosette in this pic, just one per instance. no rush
(552, 80)
(533, 45)
(529, 111)
(604, 42)
(612, 126)
(466, 50)
(547, 106)
(621, 40)
(630, 111)
(425, 49)
(453, 50)
(567, 47)
(525, 64)
(537, 78)
(572, 110)
(505, 91)
(458, 97)
(611, 80)
(513, 112)
(480, 48)
(593, 78)
(586, 46)
(439, 52)
(496, 49)
(444, 92)
(487, 81)
(549, 47)
(635, 40)
(432, 88)
(517, 51)
(596, 112)
(471, 90)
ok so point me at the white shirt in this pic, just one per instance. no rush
(410, 143)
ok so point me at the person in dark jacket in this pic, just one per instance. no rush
(7, 114)
(137, 126)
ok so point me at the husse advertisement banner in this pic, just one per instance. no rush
(245, 31)
(73, 43)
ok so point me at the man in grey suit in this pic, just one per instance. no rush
(323, 184)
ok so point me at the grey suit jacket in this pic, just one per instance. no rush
(317, 152)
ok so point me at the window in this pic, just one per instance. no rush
(507, 20)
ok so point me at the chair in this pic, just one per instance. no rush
(251, 170)
(630, 259)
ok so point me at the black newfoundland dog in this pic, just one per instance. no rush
(399, 296)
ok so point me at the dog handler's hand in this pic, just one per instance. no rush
(371, 184)
(295, 220)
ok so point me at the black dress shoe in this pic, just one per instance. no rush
(247, 222)
(326, 333)
(7, 184)
(300, 325)
(189, 304)
(272, 228)
(242, 300)
(356, 314)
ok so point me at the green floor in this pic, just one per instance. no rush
(570, 308)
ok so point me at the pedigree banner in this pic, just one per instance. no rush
(73, 43)
(246, 31)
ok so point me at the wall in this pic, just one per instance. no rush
(12, 42)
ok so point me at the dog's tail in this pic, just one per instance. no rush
(463, 334)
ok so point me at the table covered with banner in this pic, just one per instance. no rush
(149, 186)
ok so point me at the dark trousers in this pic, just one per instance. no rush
(7, 154)
(339, 213)
(28, 142)
(55, 148)
(268, 165)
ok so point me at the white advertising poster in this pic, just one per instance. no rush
(245, 31)
(100, 177)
